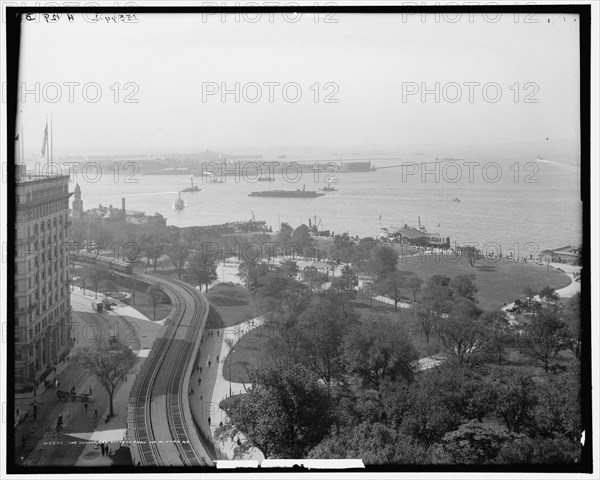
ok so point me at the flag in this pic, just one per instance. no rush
(45, 140)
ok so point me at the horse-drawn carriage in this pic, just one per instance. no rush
(72, 396)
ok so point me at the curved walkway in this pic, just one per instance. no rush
(213, 387)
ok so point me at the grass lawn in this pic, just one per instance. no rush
(230, 305)
(498, 281)
(249, 352)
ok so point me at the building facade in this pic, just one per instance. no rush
(42, 298)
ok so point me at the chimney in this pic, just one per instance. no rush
(123, 205)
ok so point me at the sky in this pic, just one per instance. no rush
(358, 81)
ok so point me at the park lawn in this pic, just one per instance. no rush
(248, 353)
(230, 305)
(498, 281)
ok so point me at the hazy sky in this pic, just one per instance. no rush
(370, 60)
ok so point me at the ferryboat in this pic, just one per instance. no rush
(287, 193)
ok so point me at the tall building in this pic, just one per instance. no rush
(42, 297)
(77, 203)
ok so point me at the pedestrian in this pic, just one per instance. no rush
(34, 413)
(201, 398)
(239, 442)
(217, 359)
(55, 370)
(107, 449)
(85, 405)
(217, 333)
(95, 413)
(220, 423)
(90, 390)
(17, 413)
(102, 448)
(23, 441)
(209, 421)
(192, 390)
(209, 364)
(200, 369)
(199, 380)
(56, 383)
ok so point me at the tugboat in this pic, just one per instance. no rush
(329, 188)
(193, 188)
(179, 203)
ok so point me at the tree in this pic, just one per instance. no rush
(109, 363)
(285, 413)
(252, 274)
(84, 276)
(96, 274)
(498, 329)
(379, 349)
(108, 287)
(414, 283)
(392, 285)
(383, 259)
(546, 336)
(344, 248)
(285, 234)
(203, 269)
(290, 268)
(529, 294)
(155, 292)
(427, 321)
(473, 443)
(470, 253)
(374, 443)
(558, 411)
(515, 397)
(302, 239)
(437, 296)
(347, 282)
(463, 286)
(178, 255)
(463, 333)
(549, 294)
(323, 326)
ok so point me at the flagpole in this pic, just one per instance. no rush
(22, 145)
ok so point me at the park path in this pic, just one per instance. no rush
(213, 387)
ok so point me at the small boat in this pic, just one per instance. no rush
(456, 200)
(329, 188)
(193, 188)
(265, 179)
(179, 203)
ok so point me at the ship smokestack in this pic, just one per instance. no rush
(123, 205)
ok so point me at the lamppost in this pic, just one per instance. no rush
(230, 343)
